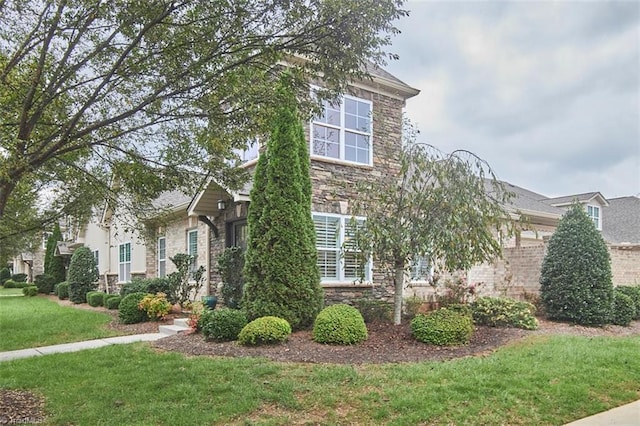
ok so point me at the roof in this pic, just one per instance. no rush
(621, 220)
(581, 198)
(527, 202)
(171, 200)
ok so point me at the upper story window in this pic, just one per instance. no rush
(594, 215)
(343, 131)
(96, 257)
(192, 248)
(162, 257)
(124, 262)
(250, 153)
(45, 239)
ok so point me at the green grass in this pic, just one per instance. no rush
(538, 381)
(27, 322)
(10, 291)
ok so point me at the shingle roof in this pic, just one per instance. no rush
(568, 199)
(621, 220)
(171, 199)
(527, 200)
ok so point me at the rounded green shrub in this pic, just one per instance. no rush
(129, 313)
(62, 290)
(340, 324)
(5, 274)
(222, 324)
(44, 282)
(265, 330)
(147, 285)
(624, 310)
(112, 302)
(504, 312)
(11, 283)
(83, 275)
(442, 327)
(634, 293)
(95, 298)
(19, 278)
(30, 290)
(575, 280)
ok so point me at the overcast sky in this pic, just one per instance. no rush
(547, 92)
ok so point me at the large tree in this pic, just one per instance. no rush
(157, 93)
(446, 208)
(281, 272)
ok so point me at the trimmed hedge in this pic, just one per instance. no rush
(504, 312)
(10, 283)
(5, 274)
(634, 293)
(45, 283)
(83, 275)
(129, 313)
(442, 328)
(30, 290)
(62, 290)
(95, 298)
(223, 324)
(112, 302)
(340, 324)
(19, 278)
(147, 285)
(265, 330)
(624, 310)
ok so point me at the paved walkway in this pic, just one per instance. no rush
(626, 415)
(79, 346)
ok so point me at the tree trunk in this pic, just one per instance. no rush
(6, 187)
(397, 297)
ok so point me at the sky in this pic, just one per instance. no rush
(547, 92)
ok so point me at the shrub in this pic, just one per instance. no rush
(83, 274)
(634, 293)
(340, 324)
(223, 324)
(130, 313)
(155, 305)
(504, 312)
(95, 298)
(10, 283)
(412, 306)
(442, 327)
(230, 264)
(5, 274)
(624, 310)
(54, 265)
(185, 282)
(461, 308)
(45, 283)
(373, 310)
(575, 280)
(62, 290)
(265, 330)
(30, 290)
(19, 278)
(112, 302)
(147, 285)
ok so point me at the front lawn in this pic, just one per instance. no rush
(539, 380)
(10, 292)
(27, 322)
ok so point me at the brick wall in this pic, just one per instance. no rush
(625, 264)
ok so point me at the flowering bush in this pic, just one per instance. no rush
(457, 291)
(195, 318)
(156, 306)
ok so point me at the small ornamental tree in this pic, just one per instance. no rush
(83, 275)
(575, 281)
(54, 265)
(281, 273)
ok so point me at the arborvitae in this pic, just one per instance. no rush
(83, 275)
(54, 265)
(575, 282)
(281, 273)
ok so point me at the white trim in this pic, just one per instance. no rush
(164, 238)
(593, 218)
(120, 280)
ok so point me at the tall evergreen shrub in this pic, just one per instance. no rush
(575, 281)
(281, 273)
(54, 265)
(83, 275)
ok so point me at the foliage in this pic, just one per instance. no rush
(95, 298)
(373, 310)
(5, 274)
(230, 265)
(155, 305)
(54, 265)
(339, 324)
(412, 305)
(281, 273)
(504, 312)
(112, 302)
(198, 309)
(44, 282)
(157, 94)
(10, 283)
(224, 324)
(458, 291)
(129, 310)
(83, 274)
(185, 282)
(30, 290)
(624, 310)
(148, 285)
(20, 278)
(634, 293)
(575, 280)
(265, 331)
(462, 309)
(442, 328)
(457, 192)
(62, 290)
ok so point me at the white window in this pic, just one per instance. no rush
(45, 239)
(162, 257)
(594, 215)
(250, 152)
(338, 257)
(192, 247)
(343, 131)
(96, 257)
(421, 269)
(124, 263)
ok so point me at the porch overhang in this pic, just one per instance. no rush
(205, 203)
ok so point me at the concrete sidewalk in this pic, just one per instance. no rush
(79, 346)
(626, 415)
